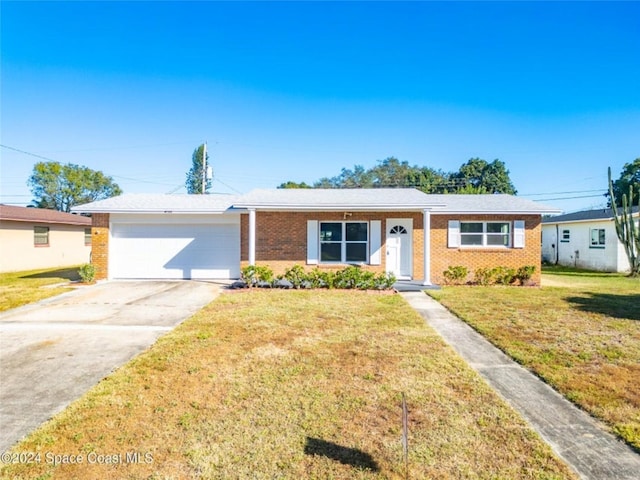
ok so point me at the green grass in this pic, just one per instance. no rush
(290, 385)
(580, 332)
(21, 288)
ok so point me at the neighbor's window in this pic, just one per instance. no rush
(41, 236)
(597, 237)
(566, 236)
(485, 234)
(344, 242)
(87, 236)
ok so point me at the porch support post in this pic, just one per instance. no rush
(252, 236)
(426, 230)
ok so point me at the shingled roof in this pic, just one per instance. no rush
(585, 216)
(40, 215)
(371, 199)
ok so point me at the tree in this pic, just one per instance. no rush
(391, 172)
(479, 176)
(60, 187)
(196, 173)
(629, 177)
(475, 176)
(626, 228)
(291, 184)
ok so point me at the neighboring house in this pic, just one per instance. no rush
(402, 231)
(34, 238)
(584, 239)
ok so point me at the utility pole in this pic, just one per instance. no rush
(204, 168)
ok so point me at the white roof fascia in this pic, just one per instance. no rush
(158, 211)
(339, 207)
(495, 212)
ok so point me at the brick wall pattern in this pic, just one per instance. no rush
(281, 241)
(100, 244)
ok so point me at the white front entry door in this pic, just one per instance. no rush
(399, 251)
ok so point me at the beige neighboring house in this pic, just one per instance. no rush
(34, 238)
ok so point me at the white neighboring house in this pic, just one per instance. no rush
(585, 240)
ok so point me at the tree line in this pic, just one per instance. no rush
(59, 186)
(474, 176)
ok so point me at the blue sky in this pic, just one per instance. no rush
(299, 90)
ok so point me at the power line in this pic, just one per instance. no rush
(560, 193)
(28, 153)
(568, 198)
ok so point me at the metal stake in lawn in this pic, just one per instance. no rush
(405, 436)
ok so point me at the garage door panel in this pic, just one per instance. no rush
(175, 251)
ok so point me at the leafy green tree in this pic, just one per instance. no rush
(356, 178)
(479, 176)
(291, 184)
(429, 180)
(196, 173)
(627, 228)
(60, 187)
(391, 172)
(629, 177)
(475, 176)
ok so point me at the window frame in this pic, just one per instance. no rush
(566, 236)
(485, 234)
(44, 234)
(87, 237)
(601, 240)
(343, 242)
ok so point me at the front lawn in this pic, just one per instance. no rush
(293, 385)
(20, 288)
(580, 332)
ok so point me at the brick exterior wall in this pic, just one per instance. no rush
(281, 238)
(281, 241)
(100, 244)
(442, 257)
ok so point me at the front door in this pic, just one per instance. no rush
(399, 241)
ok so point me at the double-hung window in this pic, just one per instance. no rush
(87, 236)
(344, 242)
(485, 234)
(566, 236)
(41, 236)
(598, 237)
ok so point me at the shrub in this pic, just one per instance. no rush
(348, 277)
(296, 275)
(524, 274)
(483, 276)
(455, 275)
(87, 272)
(384, 281)
(503, 275)
(351, 277)
(317, 278)
(254, 274)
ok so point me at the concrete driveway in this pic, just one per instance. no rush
(53, 351)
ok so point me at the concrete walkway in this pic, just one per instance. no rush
(576, 437)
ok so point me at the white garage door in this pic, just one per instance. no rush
(175, 250)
